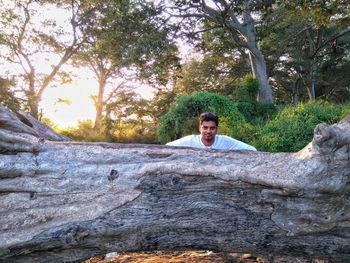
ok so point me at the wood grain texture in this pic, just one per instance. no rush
(67, 201)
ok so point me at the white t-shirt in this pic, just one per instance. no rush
(221, 142)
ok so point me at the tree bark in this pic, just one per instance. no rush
(67, 201)
(258, 64)
(99, 103)
(241, 26)
(246, 29)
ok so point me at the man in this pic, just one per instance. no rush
(208, 138)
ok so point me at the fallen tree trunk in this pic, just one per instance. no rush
(67, 201)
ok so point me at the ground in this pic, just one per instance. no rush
(195, 257)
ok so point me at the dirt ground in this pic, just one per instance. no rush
(195, 257)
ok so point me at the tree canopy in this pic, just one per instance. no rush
(29, 38)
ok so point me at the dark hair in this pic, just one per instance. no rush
(209, 116)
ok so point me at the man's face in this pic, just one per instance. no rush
(208, 130)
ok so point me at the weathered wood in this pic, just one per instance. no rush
(67, 201)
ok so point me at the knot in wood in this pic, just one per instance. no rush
(113, 175)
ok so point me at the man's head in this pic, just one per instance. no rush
(209, 116)
(208, 127)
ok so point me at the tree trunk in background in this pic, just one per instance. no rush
(258, 65)
(312, 87)
(295, 92)
(256, 57)
(34, 108)
(68, 201)
(99, 103)
(241, 26)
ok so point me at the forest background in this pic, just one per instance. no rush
(272, 69)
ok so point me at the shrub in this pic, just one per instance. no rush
(182, 118)
(345, 110)
(292, 128)
(132, 132)
(256, 112)
(247, 90)
(84, 132)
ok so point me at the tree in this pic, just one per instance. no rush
(104, 70)
(30, 39)
(136, 35)
(307, 46)
(209, 74)
(237, 18)
(7, 97)
(161, 102)
(127, 36)
(121, 103)
(149, 197)
(219, 66)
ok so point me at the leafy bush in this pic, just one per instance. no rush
(7, 96)
(84, 132)
(133, 132)
(292, 128)
(256, 112)
(124, 132)
(182, 118)
(345, 110)
(246, 93)
(247, 90)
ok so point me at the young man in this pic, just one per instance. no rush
(208, 138)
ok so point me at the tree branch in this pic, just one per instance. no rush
(331, 39)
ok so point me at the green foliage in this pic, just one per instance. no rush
(257, 112)
(246, 93)
(131, 131)
(345, 110)
(306, 45)
(135, 34)
(84, 132)
(135, 132)
(182, 118)
(7, 97)
(292, 128)
(322, 12)
(218, 69)
(247, 90)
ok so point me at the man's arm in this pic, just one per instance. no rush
(233, 144)
(186, 141)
